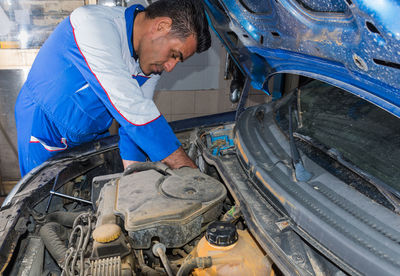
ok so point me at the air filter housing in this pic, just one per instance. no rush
(171, 206)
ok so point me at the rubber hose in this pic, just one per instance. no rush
(188, 266)
(64, 218)
(51, 235)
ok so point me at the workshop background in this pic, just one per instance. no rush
(195, 88)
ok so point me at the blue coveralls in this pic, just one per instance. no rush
(86, 74)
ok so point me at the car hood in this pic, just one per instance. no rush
(352, 44)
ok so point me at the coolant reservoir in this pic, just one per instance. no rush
(234, 252)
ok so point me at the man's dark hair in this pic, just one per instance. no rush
(188, 17)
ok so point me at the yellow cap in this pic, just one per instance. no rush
(106, 233)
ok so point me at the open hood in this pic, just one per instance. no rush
(352, 44)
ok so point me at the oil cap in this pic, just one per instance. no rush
(221, 233)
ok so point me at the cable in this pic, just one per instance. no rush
(159, 251)
(78, 242)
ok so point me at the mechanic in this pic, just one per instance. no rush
(102, 63)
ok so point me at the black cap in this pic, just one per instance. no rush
(221, 233)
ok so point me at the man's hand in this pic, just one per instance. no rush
(178, 159)
(175, 160)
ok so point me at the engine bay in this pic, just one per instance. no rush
(145, 220)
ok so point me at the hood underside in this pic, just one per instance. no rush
(354, 45)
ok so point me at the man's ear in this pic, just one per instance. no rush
(163, 24)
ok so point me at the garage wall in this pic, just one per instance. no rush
(183, 104)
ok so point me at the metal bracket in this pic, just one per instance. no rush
(243, 98)
(53, 192)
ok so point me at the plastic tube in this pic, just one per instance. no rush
(144, 166)
(205, 262)
(190, 264)
(227, 260)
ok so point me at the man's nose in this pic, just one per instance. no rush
(170, 65)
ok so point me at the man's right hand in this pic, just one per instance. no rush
(175, 160)
(179, 159)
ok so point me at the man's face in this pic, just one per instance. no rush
(162, 51)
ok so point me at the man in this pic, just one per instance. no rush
(103, 63)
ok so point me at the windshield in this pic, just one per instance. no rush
(351, 128)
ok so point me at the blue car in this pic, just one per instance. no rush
(306, 184)
(326, 153)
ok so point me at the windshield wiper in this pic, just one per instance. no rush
(301, 173)
(391, 195)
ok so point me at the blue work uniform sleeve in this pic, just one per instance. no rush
(128, 148)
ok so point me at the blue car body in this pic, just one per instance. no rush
(354, 45)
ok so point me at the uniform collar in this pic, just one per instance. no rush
(130, 14)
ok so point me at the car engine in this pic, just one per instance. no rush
(146, 220)
(159, 205)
